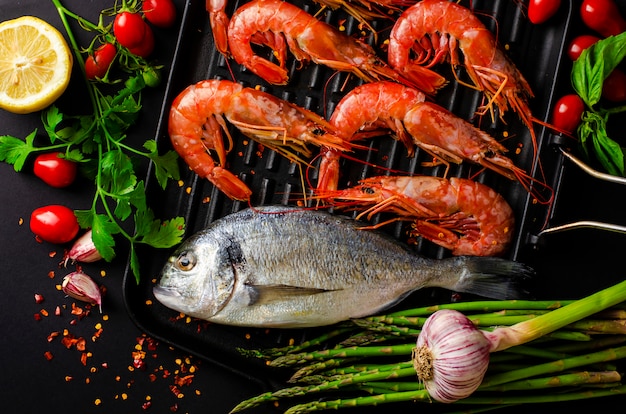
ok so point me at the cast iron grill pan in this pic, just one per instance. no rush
(537, 52)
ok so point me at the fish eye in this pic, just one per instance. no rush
(186, 261)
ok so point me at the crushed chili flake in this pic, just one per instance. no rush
(44, 312)
(37, 317)
(57, 311)
(38, 298)
(174, 408)
(20, 221)
(68, 378)
(52, 254)
(48, 355)
(146, 405)
(83, 358)
(51, 274)
(98, 401)
(52, 335)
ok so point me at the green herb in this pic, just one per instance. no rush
(97, 142)
(588, 74)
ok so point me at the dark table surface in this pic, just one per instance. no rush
(107, 380)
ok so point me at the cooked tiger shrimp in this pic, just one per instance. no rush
(432, 30)
(281, 26)
(219, 24)
(197, 122)
(375, 108)
(462, 215)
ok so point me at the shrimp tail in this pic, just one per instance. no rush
(219, 24)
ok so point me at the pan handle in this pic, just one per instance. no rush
(583, 224)
(534, 238)
(594, 173)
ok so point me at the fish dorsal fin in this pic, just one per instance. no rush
(264, 294)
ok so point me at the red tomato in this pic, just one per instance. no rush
(603, 16)
(579, 44)
(129, 29)
(614, 86)
(567, 112)
(541, 10)
(55, 171)
(96, 65)
(161, 13)
(147, 45)
(54, 224)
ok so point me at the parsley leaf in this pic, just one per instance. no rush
(16, 151)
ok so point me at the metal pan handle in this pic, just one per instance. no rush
(534, 238)
(591, 171)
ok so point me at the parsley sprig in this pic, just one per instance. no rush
(98, 141)
(588, 74)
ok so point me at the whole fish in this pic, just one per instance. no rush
(287, 267)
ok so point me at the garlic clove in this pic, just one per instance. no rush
(451, 356)
(80, 286)
(83, 250)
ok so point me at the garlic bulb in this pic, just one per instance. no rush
(451, 356)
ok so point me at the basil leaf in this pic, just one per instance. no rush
(593, 66)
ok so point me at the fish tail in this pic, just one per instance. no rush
(493, 277)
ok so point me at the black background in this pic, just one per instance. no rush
(569, 265)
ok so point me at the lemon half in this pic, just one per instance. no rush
(35, 64)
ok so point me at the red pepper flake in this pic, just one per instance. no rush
(146, 405)
(174, 408)
(152, 377)
(38, 298)
(182, 381)
(37, 317)
(52, 335)
(48, 355)
(44, 312)
(51, 274)
(68, 378)
(57, 311)
(80, 344)
(52, 254)
(175, 390)
(83, 358)
(104, 365)
(20, 221)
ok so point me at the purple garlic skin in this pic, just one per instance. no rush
(83, 250)
(451, 356)
(81, 287)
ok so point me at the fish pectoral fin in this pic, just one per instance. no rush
(263, 294)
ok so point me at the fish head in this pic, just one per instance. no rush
(198, 279)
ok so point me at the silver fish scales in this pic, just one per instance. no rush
(287, 267)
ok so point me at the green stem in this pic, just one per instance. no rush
(526, 331)
(554, 366)
(289, 360)
(484, 306)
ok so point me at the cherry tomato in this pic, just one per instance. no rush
(146, 47)
(129, 29)
(614, 86)
(161, 13)
(55, 171)
(567, 112)
(603, 16)
(541, 10)
(580, 43)
(98, 63)
(54, 224)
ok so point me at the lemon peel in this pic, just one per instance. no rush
(35, 64)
